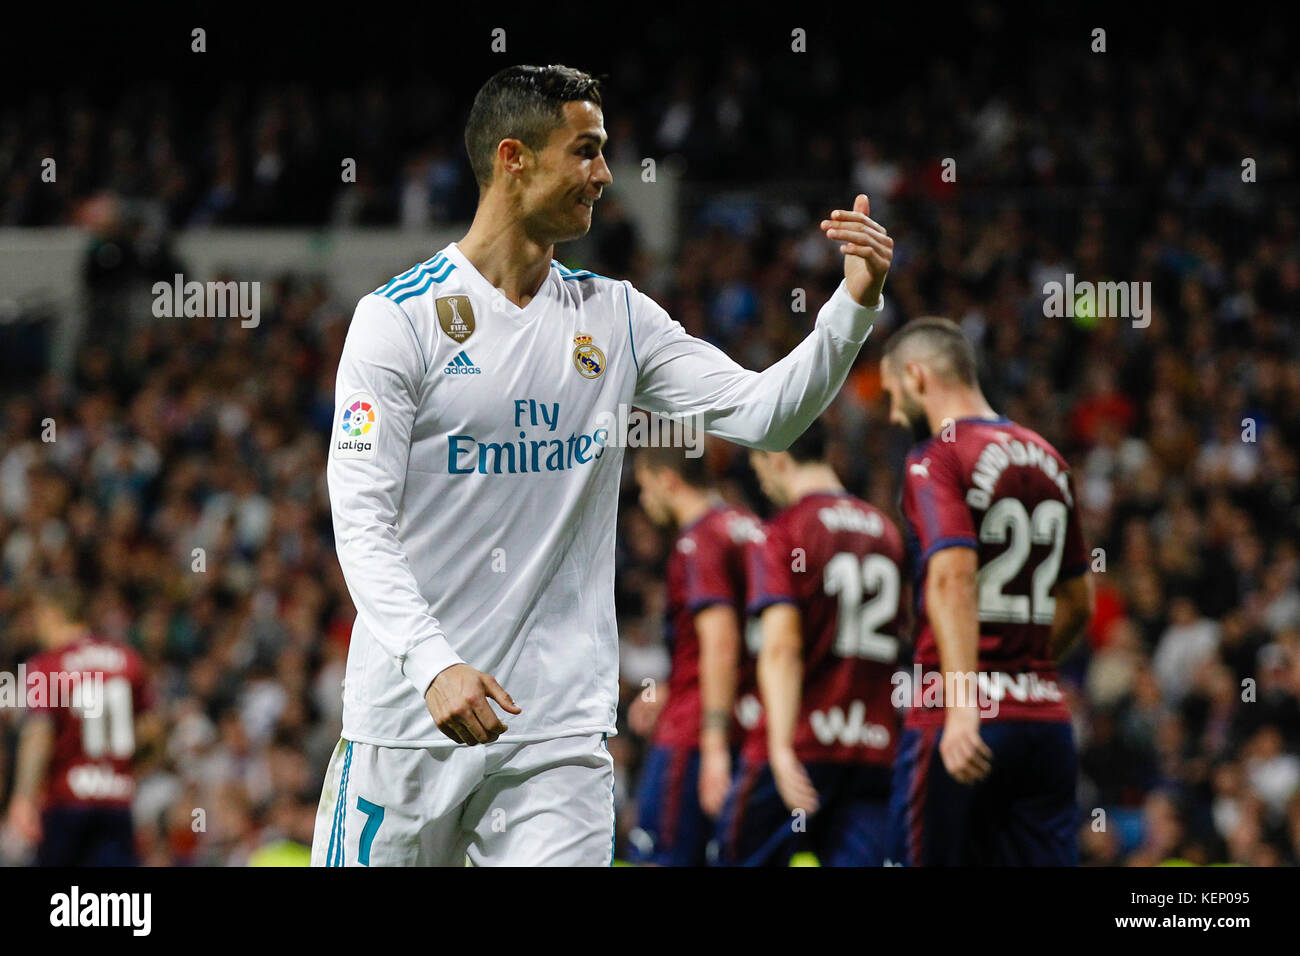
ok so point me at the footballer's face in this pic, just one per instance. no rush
(653, 483)
(571, 174)
(767, 466)
(48, 622)
(904, 405)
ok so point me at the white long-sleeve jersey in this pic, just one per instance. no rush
(474, 479)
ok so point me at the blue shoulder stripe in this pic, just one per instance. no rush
(567, 273)
(419, 282)
(423, 285)
(409, 273)
(418, 279)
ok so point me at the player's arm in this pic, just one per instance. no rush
(1076, 600)
(719, 635)
(680, 374)
(383, 364)
(35, 748)
(952, 604)
(780, 684)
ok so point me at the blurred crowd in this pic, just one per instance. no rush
(1174, 122)
(184, 485)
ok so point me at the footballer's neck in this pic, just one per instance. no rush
(958, 405)
(812, 478)
(499, 247)
(67, 636)
(691, 505)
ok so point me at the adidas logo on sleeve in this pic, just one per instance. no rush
(461, 365)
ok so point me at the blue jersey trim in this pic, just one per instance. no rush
(429, 280)
(343, 817)
(333, 857)
(707, 601)
(417, 279)
(567, 273)
(413, 275)
(942, 543)
(630, 338)
(759, 605)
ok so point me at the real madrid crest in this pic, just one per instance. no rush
(587, 359)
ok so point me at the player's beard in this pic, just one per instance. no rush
(773, 493)
(573, 222)
(916, 420)
(655, 510)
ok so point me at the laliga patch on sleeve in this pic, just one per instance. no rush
(356, 429)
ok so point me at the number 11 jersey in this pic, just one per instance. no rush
(94, 690)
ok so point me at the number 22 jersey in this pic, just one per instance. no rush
(1001, 489)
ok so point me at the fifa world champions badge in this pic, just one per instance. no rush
(587, 358)
(456, 316)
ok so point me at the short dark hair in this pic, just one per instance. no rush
(691, 470)
(942, 338)
(811, 445)
(524, 103)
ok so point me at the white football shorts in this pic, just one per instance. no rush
(545, 803)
